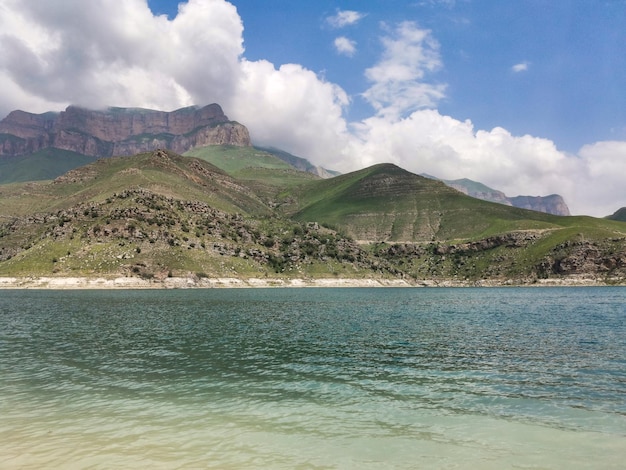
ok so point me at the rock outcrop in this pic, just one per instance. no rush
(119, 131)
(552, 204)
(478, 190)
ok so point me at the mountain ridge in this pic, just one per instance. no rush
(551, 204)
(35, 138)
(159, 214)
(119, 131)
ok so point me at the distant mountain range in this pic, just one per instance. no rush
(119, 131)
(228, 209)
(50, 144)
(159, 214)
(552, 204)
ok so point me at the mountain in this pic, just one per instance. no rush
(387, 203)
(155, 215)
(43, 164)
(158, 214)
(299, 163)
(118, 131)
(424, 229)
(552, 204)
(619, 214)
(44, 146)
(477, 190)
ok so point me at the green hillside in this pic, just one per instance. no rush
(387, 203)
(234, 159)
(155, 215)
(262, 171)
(241, 162)
(298, 162)
(619, 214)
(163, 173)
(42, 165)
(160, 214)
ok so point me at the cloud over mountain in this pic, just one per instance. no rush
(57, 53)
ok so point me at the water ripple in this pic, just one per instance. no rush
(329, 378)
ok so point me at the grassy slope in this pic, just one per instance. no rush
(260, 170)
(42, 165)
(620, 215)
(152, 215)
(174, 176)
(154, 234)
(389, 203)
(233, 159)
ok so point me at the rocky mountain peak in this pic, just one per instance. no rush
(552, 204)
(119, 131)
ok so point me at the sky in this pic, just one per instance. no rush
(526, 96)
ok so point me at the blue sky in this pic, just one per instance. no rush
(570, 85)
(526, 96)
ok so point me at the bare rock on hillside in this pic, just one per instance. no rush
(119, 131)
(552, 204)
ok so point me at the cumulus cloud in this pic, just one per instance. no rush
(601, 189)
(521, 67)
(57, 53)
(428, 142)
(345, 18)
(61, 52)
(398, 84)
(345, 46)
(293, 109)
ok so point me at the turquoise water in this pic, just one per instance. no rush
(314, 378)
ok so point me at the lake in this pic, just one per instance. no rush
(318, 378)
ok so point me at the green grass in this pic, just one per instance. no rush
(42, 165)
(233, 159)
(152, 214)
(175, 177)
(390, 203)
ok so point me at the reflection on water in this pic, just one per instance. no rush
(313, 378)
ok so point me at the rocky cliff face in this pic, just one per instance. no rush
(119, 131)
(479, 191)
(552, 204)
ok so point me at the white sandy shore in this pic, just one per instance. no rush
(182, 283)
(226, 282)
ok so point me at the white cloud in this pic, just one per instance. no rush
(61, 52)
(600, 188)
(126, 56)
(398, 84)
(429, 142)
(291, 108)
(345, 18)
(521, 67)
(434, 3)
(345, 46)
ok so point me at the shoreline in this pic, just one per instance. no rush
(77, 283)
